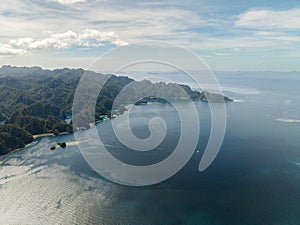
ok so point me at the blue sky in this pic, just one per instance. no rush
(227, 35)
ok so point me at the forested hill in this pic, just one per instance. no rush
(37, 101)
(34, 101)
(36, 96)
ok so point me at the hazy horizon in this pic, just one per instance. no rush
(169, 71)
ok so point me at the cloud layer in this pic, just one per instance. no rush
(7, 51)
(67, 2)
(270, 19)
(87, 38)
(211, 28)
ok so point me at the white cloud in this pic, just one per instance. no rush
(7, 50)
(119, 43)
(280, 36)
(269, 19)
(56, 41)
(67, 2)
(101, 37)
(87, 38)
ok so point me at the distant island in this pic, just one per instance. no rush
(146, 100)
(203, 96)
(212, 97)
(35, 101)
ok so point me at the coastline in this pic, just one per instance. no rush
(237, 100)
(288, 120)
(36, 136)
(47, 135)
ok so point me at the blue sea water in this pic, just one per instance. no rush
(255, 178)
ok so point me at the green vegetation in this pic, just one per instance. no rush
(12, 137)
(35, 101)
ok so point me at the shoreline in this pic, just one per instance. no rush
(48, 135)
(288, 120)
(35, 137)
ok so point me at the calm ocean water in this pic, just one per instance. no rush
(255, 178)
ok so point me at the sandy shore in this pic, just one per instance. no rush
(288, 120)
(72, 143)
(47, 135)
(237, 100)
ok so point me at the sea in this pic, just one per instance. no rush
(255, 178)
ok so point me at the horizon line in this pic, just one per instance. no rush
(86, 69)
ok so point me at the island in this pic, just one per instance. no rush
(212, 97)
(146, 100)
(203, 96)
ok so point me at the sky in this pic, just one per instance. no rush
(228, 35)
